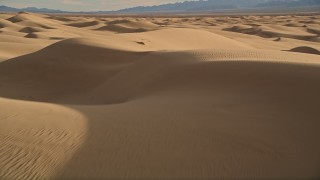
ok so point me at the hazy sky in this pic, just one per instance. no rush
(83, 5)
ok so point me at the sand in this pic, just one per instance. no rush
(158, 97)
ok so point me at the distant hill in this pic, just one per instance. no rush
(221, 5)
(289, 3)
(29, 9)
(188, 6)
(192, 6)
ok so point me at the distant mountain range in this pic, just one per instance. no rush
(222, 5)
(30, 9)
(191, 6)
(290, 3)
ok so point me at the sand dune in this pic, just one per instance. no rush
(276, 31)
(126, 26)
(84, 24)
(31, 30)
(37, 147)
(7, 24)
(159, 98)
(306, 49)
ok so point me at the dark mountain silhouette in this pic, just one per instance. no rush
(192, 6)
(196, 6)
(290, 3)
(29, 9)
(218, 5)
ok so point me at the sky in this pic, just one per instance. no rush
(83, 5)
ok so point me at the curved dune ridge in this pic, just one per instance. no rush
(47, 69)
(7, 24)
(127, 26)
(182, 99)
(306, 49)
(30, 30)
(33, 148)
(271, 31)
(84, 24)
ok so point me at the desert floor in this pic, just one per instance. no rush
(159, 97)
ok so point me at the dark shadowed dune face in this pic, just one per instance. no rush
(306, 49)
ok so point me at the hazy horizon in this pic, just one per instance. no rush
(84, 5)
(130, 5)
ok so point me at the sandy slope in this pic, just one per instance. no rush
(36, 139)
(146, 98)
